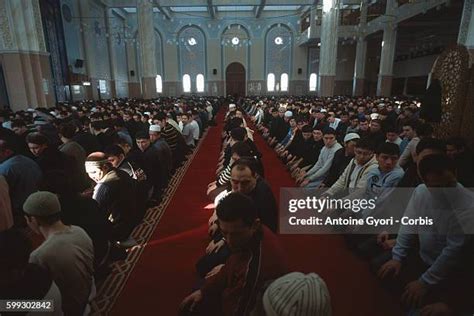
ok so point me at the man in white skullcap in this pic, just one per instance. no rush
(67, 252)
(297, 294)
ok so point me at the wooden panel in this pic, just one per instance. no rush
(235, 79)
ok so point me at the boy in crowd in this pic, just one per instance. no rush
(318, 172)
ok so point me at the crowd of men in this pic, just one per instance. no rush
(347, 148)
(75, 180)
(83, 175)
(353, 148)
(244, 270)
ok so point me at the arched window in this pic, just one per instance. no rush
(270, 82)
(200, 83)
(284, 82)
(159, 84)
(186, 83)
(313, 78)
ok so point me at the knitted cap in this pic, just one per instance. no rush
(297, 294)
(155, 128)
(42, 204)
(351, 136)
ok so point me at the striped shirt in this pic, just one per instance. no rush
(171, 134)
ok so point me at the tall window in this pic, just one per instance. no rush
(284, 82)
(312, 82)
(186, 83)
(102, 86)
(270, 82)
(159, 84)
(200, 83)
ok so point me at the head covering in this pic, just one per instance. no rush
(288, 114)
(231, 106)
(323, 111)
(351, 136)
(155, 128)
(297, 294)
(42, 204)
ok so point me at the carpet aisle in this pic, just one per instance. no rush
(164, 274)
(165, 271)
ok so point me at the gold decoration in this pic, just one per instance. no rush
(451, 68)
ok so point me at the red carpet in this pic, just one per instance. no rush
(165, 272)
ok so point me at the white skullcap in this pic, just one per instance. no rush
(297, 294)
(155, 128)
(351, 136)
(288, 114)
(232, 106)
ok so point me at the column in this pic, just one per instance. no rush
(88, 40)
(313, 15)
(134, 89)
(389, 42)
(25, 61)
(361, 54)
(405, 86)
(328, 51)
(466, 28)
(146, 38)
(112, 59)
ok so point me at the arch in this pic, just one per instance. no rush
(192, 58)
(278, 55)
(235, 82)
(225, 59)
(230, 24)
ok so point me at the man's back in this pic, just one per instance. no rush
(23, 176)
(68, 256)
(265, 201)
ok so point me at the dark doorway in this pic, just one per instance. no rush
(235, 80)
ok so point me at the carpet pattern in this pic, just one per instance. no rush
(110, 289)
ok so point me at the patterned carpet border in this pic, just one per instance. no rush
(113, 285)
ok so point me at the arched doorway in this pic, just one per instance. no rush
(235, 79)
